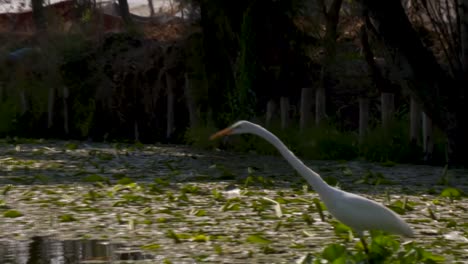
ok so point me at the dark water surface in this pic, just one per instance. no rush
(47, 249)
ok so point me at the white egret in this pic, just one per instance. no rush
(357, 212)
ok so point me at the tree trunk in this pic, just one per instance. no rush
(270, 113)
(387, 109)
(191, 104)
(320, 106)
(381, 82)
(218, 66)
(151, 8)
(170, 105)
(332, 17)
(463, 13)
(306, 115)
(363, 118)
(125, 11)
(415, 120)
(284, 106)
(38, 15)
(441, 96)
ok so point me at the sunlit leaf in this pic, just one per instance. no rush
(452, 193)
(190, 188)
(200, 238)
(218, 249)
(125, 181)
(198, 212)
(67, 218)
(151, 247)
(12, 214)
(217, 195)
(258, 239)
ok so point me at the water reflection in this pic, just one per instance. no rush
(50, 250)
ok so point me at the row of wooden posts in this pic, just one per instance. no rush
(421, 127)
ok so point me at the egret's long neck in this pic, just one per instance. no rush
(312, 177)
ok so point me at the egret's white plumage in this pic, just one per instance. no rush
(353, 210)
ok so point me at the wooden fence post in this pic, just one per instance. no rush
(428, 140)
(387, 108)
(65, 109)
(170, 105)
(363, 117)
(415, 122)
(306, 115)
(24, 102)
(50, 107)
(136, 131)
(284, 106)
(320, 108)
(271, 108)
(190, 100)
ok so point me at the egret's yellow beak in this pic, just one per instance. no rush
(221, 133)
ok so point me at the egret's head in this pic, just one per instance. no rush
(240, 127)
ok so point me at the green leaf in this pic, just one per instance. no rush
(3, 204)
(151, 247)
(341, 229)
(452, 193)
(190, 188)
(125, 181)
(71, 146)
(95, 178)
(12, 214)
(258, 239)
(320, 207)
(161, 182)
(200, 238)
(67, 218)
(218, 249)
(198, 212)
(334, 252)
(173, 235)
(6, 189)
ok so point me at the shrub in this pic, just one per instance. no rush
(326, 142)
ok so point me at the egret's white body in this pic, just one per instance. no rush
(357, 212)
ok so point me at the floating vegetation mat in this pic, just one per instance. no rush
(174, 204)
